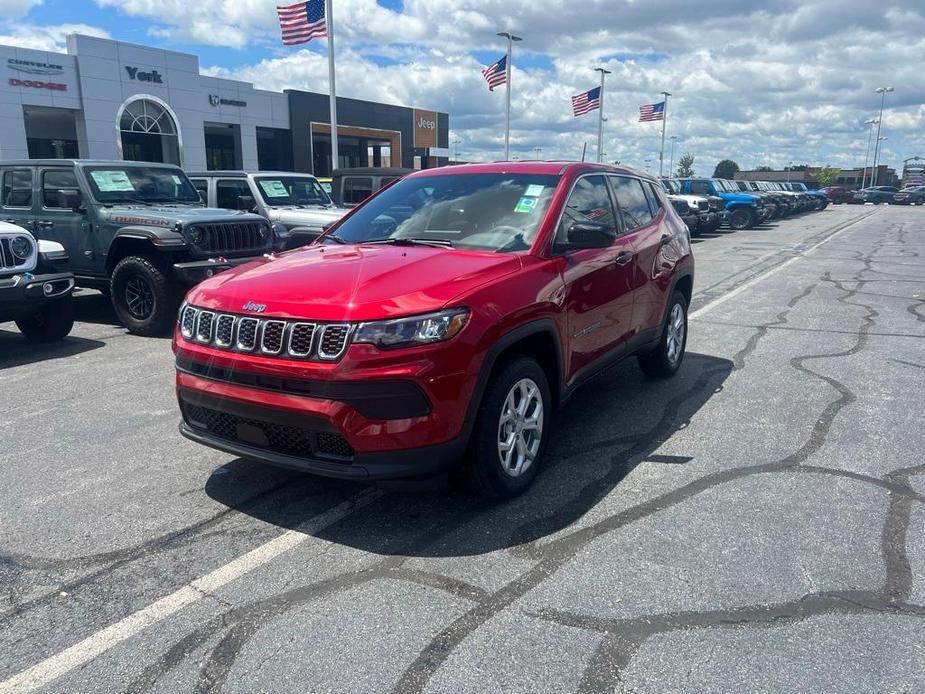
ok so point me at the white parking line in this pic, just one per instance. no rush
(773, 271)
(80, 653)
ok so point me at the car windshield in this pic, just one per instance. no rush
(140, 184)
(724, 186)
(671, 185)
(494, 212)
(285, 191)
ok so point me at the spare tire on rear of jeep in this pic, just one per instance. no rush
(143, 297)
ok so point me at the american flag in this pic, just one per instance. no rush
(302, 21)
(586, 101)
(649, 112)
(496, 74)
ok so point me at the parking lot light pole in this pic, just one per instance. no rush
(882, 92)
(870, 137)
(536, 152)
(600, 117)
(507, 108)
(456, 150)
(877, 148)
(673, 139)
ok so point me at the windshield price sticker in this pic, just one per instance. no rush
(534, 191)
(275, 189)
(526, 205)
(112, 181)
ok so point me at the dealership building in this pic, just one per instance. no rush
(107, 99)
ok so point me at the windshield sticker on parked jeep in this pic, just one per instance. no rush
(534, 190)
(112, 181)
(275, 189)
(526, 205)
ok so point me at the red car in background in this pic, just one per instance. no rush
(838, 195)
(443, 319)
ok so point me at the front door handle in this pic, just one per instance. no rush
(665, 240)
(624, 257)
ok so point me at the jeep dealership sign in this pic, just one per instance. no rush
(425, 128)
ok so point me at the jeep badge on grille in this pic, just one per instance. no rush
(256, 308)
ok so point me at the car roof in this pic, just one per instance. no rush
(372, 171)
(85, 162)
(551, 168)
(240, 173)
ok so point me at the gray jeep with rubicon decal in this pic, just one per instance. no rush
(135, 230)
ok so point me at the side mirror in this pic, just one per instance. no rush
(590, 235)
(202, 197)
(70, 199)
(246, 203)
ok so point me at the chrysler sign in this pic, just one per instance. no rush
(34, 68)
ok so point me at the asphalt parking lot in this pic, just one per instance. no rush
(755, 523)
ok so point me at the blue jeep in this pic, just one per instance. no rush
(745, 209)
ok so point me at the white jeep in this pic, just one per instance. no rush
(35, 285)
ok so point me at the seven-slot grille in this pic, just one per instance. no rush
(226, 238)
(271, 336)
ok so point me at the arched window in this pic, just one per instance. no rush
(148, 131)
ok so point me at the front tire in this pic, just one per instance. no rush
(52, 323)
(742, 218)
(666, 358)
(512, 430)
(143, 297)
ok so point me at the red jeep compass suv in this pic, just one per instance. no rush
(444, 319)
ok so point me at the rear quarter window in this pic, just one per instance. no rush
(17, 188)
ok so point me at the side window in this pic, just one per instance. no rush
(655, 202)
(227, 192)
(700, 188)
(589, 201)
(632, 201)
(357, 189)
(54, 181)
(202, 187)
(17, 188)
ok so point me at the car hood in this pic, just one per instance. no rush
(695, 199)
(353, 283)
(738, 197)
(306, 216)
(169, 215)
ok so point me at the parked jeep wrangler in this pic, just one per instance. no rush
(296, 205)
(350, 187)
(135, 230)
(745, 209)
(35, 287)
(700, 216)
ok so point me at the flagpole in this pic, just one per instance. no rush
(600, 118)
(661, 154)
(330, 31)
(507, 109)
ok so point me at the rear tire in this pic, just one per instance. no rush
(512, 430)
(52, 323)
(742, 218)
(666, 358)
(143, 296)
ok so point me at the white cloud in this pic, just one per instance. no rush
(16, 8)
(46, 37)
(768, 82)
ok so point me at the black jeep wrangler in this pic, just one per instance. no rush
(35, 286)
(135, 230)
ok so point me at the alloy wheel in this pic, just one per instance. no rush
(675, 337)
(139, 298)
(520, 427)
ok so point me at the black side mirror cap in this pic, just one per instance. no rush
(590, 235)
(246, 203)
(71, 199)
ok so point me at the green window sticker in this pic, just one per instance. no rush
(274, 189)
(112, 181)
(526, 205)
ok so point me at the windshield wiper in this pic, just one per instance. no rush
(434, 243)
(335, 238)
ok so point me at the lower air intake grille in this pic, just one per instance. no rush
(271, 436)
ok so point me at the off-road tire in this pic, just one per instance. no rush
(742, 218)
(484, 467)
(164, 298)
(52, 323)
(658, 363)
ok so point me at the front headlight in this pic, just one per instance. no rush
(21, 247)
(416, 330)
(195, 235)
(280, 230)
(264, 232)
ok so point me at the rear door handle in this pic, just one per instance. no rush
(624, 257)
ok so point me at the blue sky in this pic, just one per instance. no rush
(759, 82)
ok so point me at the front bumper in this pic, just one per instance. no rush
(196, 271)
(25, 294)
